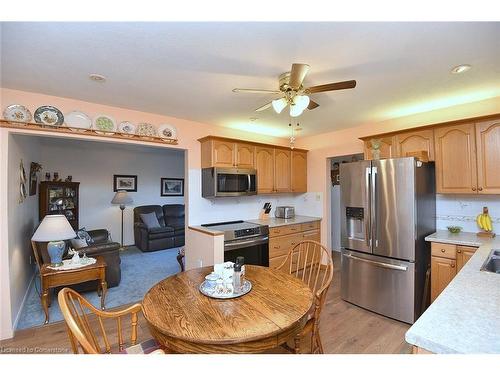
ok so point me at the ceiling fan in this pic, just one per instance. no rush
(294, 93)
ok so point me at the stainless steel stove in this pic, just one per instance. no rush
(242, 238)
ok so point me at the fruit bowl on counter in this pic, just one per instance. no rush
(454, 229)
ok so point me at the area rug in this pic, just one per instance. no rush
(140, 271)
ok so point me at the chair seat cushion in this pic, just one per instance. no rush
(145, 347)
(161, 230)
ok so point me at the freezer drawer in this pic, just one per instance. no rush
(382, 285)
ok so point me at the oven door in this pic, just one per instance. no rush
(235, 182)
(254, 250)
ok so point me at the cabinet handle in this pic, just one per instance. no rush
(473, 189)
(443, 250)
(459, 251)
(452, 265)
(480, 189)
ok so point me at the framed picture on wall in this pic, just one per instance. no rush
(172, 187)
(124, 182)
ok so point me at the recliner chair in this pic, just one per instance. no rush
(169, 234)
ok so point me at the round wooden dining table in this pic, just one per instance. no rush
(183, 320)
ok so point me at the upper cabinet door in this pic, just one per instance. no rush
(414, 142)
(244, 155)
(264, 164)
(455, 159)
(488, 157)
(299, 172)
(224, 154)
(385, 149)
(282, 169)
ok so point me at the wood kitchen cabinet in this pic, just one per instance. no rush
(413, 142)
(283, 238)
(299, 171)
(282, 171)
(264, 164)
(488, 157)
(455, 159)
(446, 261)
(279, 170)
(464, 253)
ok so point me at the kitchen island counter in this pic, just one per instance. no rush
(273, 222)
(465, 316)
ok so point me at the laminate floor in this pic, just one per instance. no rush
(344, 328)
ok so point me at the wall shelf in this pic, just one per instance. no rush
(87, 132)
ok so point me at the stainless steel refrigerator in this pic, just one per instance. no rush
(388, 207)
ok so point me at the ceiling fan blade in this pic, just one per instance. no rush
(257, 91)
(312, 104)
(264, 107)
(297, 75)
(332, 86)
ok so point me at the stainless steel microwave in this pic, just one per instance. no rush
(228, 182)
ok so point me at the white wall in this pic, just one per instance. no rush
(202, 210)
(462, 210)
(23, 219)
(93, 164)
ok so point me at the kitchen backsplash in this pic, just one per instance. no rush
(462, 210)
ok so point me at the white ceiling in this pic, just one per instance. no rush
(188, 70)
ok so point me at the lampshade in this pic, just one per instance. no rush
(300, 103)
(54, 228)
(121, 197)
(295, 110)
(279, 104)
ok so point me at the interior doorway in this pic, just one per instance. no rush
(335, 195)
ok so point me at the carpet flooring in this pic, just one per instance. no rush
(140, 271)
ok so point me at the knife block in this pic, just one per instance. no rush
(263, 215)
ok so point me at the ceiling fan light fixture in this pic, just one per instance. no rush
(279, 104)
(295, 110)
(302, 101)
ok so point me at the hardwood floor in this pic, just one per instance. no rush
(345, 329)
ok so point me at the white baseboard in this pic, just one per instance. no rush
(16, 321)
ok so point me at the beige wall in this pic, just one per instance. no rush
(346, 141)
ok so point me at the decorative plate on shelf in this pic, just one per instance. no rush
(167, 131)
(77, 121)
(17, 112)
(145, 129)
(126, 128)
(49, 115)
(104, 124)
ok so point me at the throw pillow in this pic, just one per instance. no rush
(150, 220)
(78, 243)
(83, 234)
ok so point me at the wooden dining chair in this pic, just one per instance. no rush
(313, 264)
(83, 334)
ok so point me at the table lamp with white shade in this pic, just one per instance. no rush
(122, 198)
(54, 229)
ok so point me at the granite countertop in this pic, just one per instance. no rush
(276, 222)
(271, 222)
(462, 238)
(465, 318)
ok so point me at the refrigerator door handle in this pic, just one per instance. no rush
(379, 264)
(368, 235)
(373, 216)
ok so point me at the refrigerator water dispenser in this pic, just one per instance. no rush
(355, 223)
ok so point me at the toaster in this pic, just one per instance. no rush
(284, 212)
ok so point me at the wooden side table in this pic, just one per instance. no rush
(52, 278)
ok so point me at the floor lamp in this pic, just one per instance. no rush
(122, 198)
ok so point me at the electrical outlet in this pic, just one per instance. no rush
(200, 263)
(318, 197)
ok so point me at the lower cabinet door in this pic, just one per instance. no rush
(443, 270)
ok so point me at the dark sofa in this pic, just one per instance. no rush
(102, 246)
(170, 233)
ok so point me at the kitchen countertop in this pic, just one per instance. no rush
(465, 317)
(462, 238)
(276, 222)
(271, 222)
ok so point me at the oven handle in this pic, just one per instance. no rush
(245, 243)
